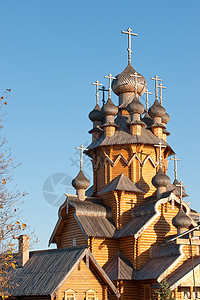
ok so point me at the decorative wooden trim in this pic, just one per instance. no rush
(128, 163)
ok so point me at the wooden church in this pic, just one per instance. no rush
(121, 237)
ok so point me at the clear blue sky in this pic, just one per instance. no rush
(51, 51)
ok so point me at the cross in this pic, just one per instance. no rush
(161, 88)
(156, 84)
(135, 75)
(181, 186)
(175, 159)
(104, 90)
(109, 89)
(160, 152)
(81, 159)
(97, 89)
(129, 42)
(147, 98)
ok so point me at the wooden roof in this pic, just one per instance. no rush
(155, 267)
(97, 226)
(46, 271)
(119, 268)
(122, 183)
(121, 137)
(181, 273)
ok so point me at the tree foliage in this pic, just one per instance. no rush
(164, 292)
(10, 208)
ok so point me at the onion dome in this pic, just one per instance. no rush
(181, 220)
(109, 109)
(160, 179)
(165, 118)
(125, 83)
(95, 114)
(80, 181)
(156, 110)
(135, 106)
(147, 119)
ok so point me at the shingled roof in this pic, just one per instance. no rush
(46, 271)
(122, 183)
(119, 268)
(122, 137)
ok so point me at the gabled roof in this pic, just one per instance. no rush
(122, 183)
(46, 271)
(119, 268)
(183, 272)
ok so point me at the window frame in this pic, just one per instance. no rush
(70, 292)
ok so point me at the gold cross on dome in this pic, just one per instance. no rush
(130, 33)
(97, 89)
(81, 158)
(175, 159)
(161, 88)
(136, 76)
(181, 186)
(156, 84)
(147, 98)
(160, 145)
(110, 78)
(104, 90)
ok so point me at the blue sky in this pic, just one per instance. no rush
(51, 51)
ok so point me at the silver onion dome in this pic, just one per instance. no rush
(125, 83)
(109, 108)
(156, 110)
(135, 106)
(96, 114)
(181, 220)
(80, 181)
(160, 179)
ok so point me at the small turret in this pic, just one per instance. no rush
(96, 117)
(80, 183)
(136, 109)
(156, 112)
(109, 111)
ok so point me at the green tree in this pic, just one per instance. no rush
(164, 292)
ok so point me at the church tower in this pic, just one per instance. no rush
(133, 219)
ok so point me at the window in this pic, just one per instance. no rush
(91, 295)
(186, 293)
(74, 242)
(70, 295)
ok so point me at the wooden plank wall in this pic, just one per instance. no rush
(126, 246)
(67, 234)
(81, 280)
(104, 249)
(157, 231)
